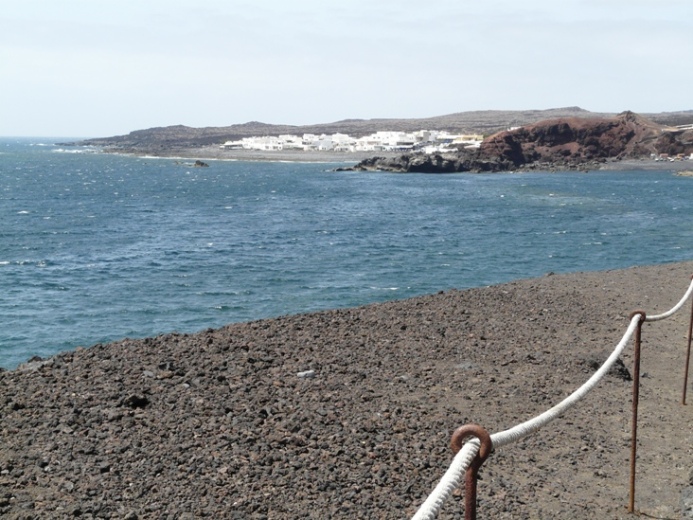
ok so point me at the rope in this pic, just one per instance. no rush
(675, 308)
(449, 483)
(522, 430)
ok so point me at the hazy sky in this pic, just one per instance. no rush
(105, 67)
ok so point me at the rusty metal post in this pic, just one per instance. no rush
(688, 355)
(471, 476)
(636, 397)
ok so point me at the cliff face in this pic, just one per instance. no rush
(567, 143)
(578, 141)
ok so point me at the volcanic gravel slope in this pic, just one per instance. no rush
(219, 425)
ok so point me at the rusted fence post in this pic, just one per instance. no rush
(688, 355)
(471, 476)
(636, 398)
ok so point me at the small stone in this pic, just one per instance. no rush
(306, 374)
(136, 401)
(113, 415)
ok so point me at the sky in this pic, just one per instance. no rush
(96, 68)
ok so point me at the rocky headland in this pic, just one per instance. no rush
(348, 413)
(566, 143)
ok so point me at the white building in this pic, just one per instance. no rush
(291, 142)
(266, 143)
(428, 140)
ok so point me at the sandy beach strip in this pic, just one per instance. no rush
(209, 153)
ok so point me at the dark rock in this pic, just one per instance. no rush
(618, 369)
(136, 401)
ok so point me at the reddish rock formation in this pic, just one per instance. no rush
(583, 140)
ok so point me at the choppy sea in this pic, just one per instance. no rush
(97, 247)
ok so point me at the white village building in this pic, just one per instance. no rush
(427, 140)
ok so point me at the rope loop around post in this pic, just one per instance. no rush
(458, 437)
(472, 430)
(642, 313)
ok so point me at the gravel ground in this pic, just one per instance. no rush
(219, 424)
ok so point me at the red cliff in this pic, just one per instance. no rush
(577, 141)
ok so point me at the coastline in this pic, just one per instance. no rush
(216, 153)
(223, 423)
(648, 164)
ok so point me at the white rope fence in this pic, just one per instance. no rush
(461, 462)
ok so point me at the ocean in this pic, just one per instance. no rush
(97, 247)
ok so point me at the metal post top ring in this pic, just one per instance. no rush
(643, 314)
(472, 430)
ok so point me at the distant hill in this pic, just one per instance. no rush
(484, 122)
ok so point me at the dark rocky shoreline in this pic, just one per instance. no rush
(348, 413)
(463, 162)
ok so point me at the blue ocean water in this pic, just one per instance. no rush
(97, 247)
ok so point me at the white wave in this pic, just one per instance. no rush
(76, 150)
(23, 212)
(154, 157)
